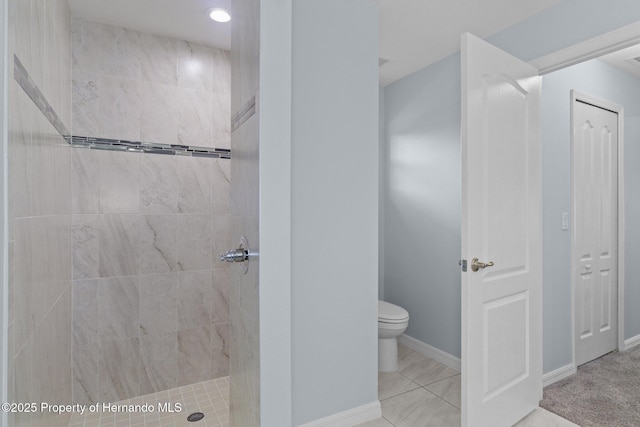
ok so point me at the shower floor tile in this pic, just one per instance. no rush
(170, 408)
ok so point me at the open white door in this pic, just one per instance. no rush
(501, 303)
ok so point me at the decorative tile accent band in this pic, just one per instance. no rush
(24, 80)
(245, 113)
(35, 94)
(147, 147)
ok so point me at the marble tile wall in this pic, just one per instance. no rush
(150, 298)
(39, 162)
(142, 87)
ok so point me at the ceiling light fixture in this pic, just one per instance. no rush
(219, 14)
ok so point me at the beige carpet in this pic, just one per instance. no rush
(604, 392)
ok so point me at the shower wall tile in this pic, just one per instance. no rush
(86, 103)
(195, 66)
(85, 39)
(86, 246)
(159, 185)
(222, 237)
(195, 118)
(158, 244)
(221, 137)
(220, 188)
(158, 303)
(119, 50)
(38, 16)
(20, 37)
(220, 299)
(119, 367)
(86, 325)
(21, 123)
(42, 149)
(118, 308)
(195, 177)
(159, 113)
(220, 346)
(195, 298)
(158, 362)
(221, 68)
(195, 250)
(118, 244)
(86, 373)
(194, 355)
(119, 106)
(39, 167)
(49, 59)
(119, 182)
(147, 288)
(85, 181)
(159, 59)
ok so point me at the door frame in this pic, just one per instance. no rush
(576, 96)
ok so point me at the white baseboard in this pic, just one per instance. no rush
(430, 351)
(559, 374)
(631, 342)
(349, 418)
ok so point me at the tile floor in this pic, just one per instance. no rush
(209, 397)
(422, 393)
(426, 393)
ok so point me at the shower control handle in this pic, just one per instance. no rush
(240, 255)
(235, 255)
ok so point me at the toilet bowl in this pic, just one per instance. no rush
(392, 322)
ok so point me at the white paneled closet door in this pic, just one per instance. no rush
(595, 232)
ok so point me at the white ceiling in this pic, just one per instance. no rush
(413, 33)
(625, 60)
(416, 33)
(181, 19)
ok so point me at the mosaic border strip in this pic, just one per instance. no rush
(33, 91)
(245, 113)
(35, 94)
(147, 147)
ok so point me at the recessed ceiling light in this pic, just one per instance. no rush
(219, 14)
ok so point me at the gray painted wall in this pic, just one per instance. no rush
(334, 206)
(422, 215)
(422, 188)
(603, 81)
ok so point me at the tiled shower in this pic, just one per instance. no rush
(115, 290)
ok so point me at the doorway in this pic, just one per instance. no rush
(595, 157)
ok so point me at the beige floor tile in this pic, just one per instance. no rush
(392, 384)
(543, 418)
(447, 389)
(420, 408)
(421, 369)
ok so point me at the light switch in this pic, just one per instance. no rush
(565, 221)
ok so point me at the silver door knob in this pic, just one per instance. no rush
(476, 265)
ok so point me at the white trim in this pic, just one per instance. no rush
(559, 374)
(430, 351)
(4, 233)
(619, 110)
(352, 417)
(589, 49)
(631, 342)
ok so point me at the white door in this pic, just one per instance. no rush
(595, 231)
(501, 304)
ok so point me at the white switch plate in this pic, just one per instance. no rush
(565, 221)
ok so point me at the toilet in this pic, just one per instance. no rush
(392, 322)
